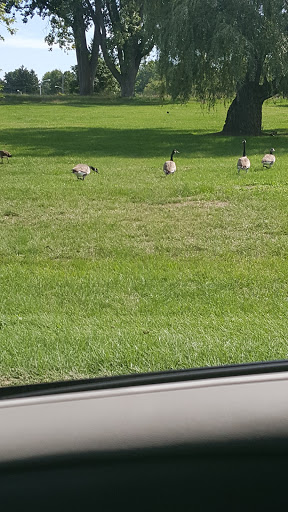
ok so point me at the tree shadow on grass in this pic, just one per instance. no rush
(129, 143)
(84, 101)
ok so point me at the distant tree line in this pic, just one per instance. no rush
(23, 81)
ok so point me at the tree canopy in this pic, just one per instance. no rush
(215, 48)
(21, 80)
(56, 82)
(7, 20)
(118, 29)
(124, 39)
(69, 22)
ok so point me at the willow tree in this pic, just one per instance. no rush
(216, 48)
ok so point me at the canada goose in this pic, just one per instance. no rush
(169, 166)
(243, 162)
(5, 154)
(82, 170)
(269, 159)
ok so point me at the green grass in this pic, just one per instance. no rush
(130, 270)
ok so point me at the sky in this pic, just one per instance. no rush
(28, 48)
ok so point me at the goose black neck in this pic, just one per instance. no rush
(244, 148)
(171, 158)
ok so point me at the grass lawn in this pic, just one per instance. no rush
(131, 270)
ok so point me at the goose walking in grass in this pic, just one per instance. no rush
(243, 162)
(82, 170)
(169, 166)
(269, 159)
(5, 154)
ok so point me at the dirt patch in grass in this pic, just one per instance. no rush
(254, 185)
(199, 204)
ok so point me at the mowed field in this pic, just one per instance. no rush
(131, 270)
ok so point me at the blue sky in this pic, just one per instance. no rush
(28, 48)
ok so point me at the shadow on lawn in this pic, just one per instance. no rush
(84, 101)
(131, 143)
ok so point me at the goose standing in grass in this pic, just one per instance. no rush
(269, 159)
(5, 154)
(243, 162)
(82, 170)
(169, 166)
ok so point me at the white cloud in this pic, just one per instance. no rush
(21, 42)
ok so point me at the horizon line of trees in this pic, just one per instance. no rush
(24, 81)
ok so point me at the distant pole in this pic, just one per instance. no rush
(62, 84)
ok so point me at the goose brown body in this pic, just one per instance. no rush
(269, 159)
(82, 170)
(5, 154)
(169, 166)
(243, 162)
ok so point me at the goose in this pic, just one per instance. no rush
(5, 154)
(269, 159)
(169, 166)
(243, 162)
(82, 170)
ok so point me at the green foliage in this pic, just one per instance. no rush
(7, 20)
(70, 82)
(119, 30)
(125, 40)
(131, 270)
(21, 80)
(55, 82)
(73, 80)
(69, 22)
(147, 74)
(104, 81)
(124, 24)
(54, 86)
(211, 48)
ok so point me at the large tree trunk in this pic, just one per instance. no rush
(128, 71)
(244, 116)
(129, 59)
(129, 53)
(86, 81)
(127, 82)
(87, 62)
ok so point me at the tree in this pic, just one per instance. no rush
(21, 80)
(124, 39)
(52, 82)
(6, 20)
(70, 21)
(225, 47)
(71, 84)
(56, 81)
(104, 80)
(148, 73)
(118, 27)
